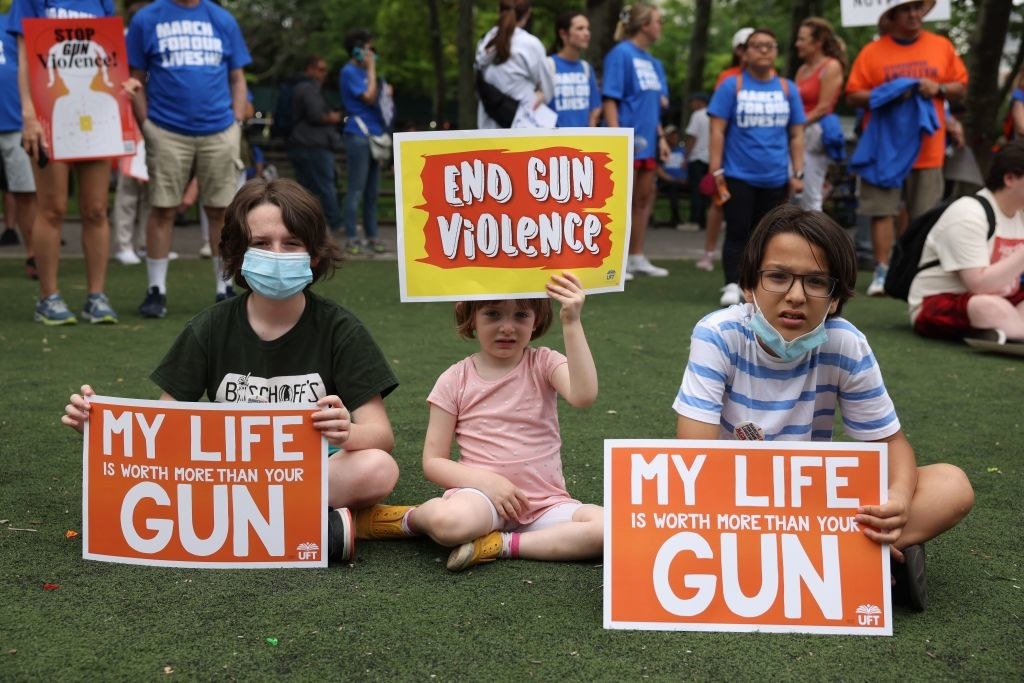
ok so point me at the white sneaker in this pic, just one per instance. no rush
(172, 256)
(637, 264)
(627, 276)
(731, 295)
(877, 286)
(205, 251)
(128, 257)
(688, 227)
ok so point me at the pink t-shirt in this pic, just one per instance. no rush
(510, 425)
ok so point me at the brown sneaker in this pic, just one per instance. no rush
(381, 522)
(484, 549)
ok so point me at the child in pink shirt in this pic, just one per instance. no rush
(505, 496)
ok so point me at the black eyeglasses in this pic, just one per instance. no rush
(814, 284)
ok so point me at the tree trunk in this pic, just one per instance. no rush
(698, 51)
(799, 10)
(437, 48)
(983, 59)
(604, 17)
(465, 46)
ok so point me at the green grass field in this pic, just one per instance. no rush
(395, 613)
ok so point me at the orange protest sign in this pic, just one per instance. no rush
(203, 484)
(493, 214)
(76, 68)
(744, 536)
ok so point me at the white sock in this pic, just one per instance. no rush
(218, 276)
(156, 268)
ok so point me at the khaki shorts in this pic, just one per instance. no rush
(170, 156)
(922, 190)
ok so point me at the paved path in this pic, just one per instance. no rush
(662, 243)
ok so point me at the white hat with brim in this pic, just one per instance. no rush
(741, 37)
(885, 18)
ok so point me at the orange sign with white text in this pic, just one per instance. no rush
(744, 536)
(493, 214)
(203, 484)
(76, 69)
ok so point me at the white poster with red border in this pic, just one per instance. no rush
(744, 536)
(226, 485)
(76, 69)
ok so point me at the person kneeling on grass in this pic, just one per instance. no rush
(505, 496)
(778, 367)
(279, 335)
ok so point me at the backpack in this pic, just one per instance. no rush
(905, 262)
(284, 118)
(497, 104)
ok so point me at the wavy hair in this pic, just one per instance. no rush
(301, 214)
(831, 44)
(632, 18)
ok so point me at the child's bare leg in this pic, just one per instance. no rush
(580, 539)
(462, 517)
(356, 479)
(943, 497)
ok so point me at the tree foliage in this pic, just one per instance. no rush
(426, 47)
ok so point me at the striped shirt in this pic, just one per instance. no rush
(730, 379)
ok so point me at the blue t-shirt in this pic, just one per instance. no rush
(576, 92)
(10, 103)
(187, 53)
(757, 118)
(353, 83)
(637, 81)
(56, 9)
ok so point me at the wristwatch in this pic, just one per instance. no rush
(942, 90)
(799, 175)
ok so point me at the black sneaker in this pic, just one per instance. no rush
(155, 304)
(911, 586)
(341, 538)
(9, 238)
(228, 293)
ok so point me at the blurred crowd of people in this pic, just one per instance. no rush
(755, 141)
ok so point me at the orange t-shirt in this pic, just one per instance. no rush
(930, 56)
(731, 71)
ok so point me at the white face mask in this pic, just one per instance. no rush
(773, 339)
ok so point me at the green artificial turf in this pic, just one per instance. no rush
(395, 613)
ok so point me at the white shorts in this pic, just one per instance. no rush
(555, 514)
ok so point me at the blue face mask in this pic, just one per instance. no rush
(786, 350)
(276, 275)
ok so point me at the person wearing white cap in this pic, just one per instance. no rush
(905, 49)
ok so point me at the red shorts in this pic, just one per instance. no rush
(645, 164)
(944, 316)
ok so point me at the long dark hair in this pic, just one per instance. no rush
(509, 14)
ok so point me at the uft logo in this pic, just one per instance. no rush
(308, 551)
(869, 615)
